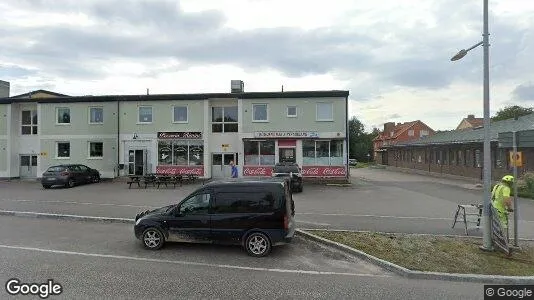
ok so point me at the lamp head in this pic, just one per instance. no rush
(459, 55)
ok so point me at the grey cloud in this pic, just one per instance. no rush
(524, 92)
(14, 72)
(394, 116)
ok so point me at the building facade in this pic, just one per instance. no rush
(175, 133)
(399, 133)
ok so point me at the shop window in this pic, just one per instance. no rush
(260, 113)
(181, 153)
(325, 112)
(29, 122)
(96, 149)
(180, 114)
(224, 119)
(63, 115)
(96, 115)
(322, 153)
(259, 152)
(145, 114)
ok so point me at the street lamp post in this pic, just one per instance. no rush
(487, 244)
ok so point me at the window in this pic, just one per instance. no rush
(391, 133)
(96, 149)
(224, 119)
(291, 111)
(196, 205)
(145, 114)
(325, 112)
(63, 150)
(181, 153)
(63, 115)
(322, 153)
(29, 122)
(96, 115)
(180, 114)
(423, 133)
(259, 153)
(260, 113)
(478, 159)
(241, 202)
(411, 132)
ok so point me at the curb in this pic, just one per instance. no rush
(418, 274)
(65, 217)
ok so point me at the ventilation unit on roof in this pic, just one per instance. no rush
(237, 86)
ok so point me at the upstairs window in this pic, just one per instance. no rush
(96, 115)
(179, 114)
(325, 112)
(411, 132)
(224, 119)
(260, 113)
(291, 111)
(29, 122)
(145, 114)
(63, 115)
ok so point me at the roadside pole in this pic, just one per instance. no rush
(516, 205)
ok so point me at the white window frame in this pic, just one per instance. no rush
(57, 116)
(223, 122)
(187, 112)
(96, 107)
(89, 150)
(317, 112)
(57, 149)
(266, 112)
(31, 125)
(139, 115)
(423, 133)
(411, 132)
(296, 111)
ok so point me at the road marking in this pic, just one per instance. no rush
(374, 216)
(180, 262)
(80, 203)
(313, 223)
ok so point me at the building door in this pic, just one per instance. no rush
(287, 155)
(137, 162)
(28, 166)
(220, 167)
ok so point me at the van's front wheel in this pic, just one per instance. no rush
(258, 244)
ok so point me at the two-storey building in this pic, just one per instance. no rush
(176, 133)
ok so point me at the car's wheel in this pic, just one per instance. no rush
(96, 178)
(258, 244)
(153, 239)
(46, 186)
(71, 183)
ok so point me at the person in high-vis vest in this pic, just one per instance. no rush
(501, 200)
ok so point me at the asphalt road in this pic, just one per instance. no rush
(378, 200)
(104, 261)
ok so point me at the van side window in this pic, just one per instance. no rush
(243, 202)
(196, 205)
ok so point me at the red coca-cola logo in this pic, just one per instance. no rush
(323, 171)
(172, 170)
(257, 171)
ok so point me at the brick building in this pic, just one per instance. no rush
(470, 122)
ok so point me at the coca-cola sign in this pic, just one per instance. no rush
(323, 171)
(180, 170)
(179, 135)
(257, 171)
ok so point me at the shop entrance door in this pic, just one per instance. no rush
(137, 162)
(28, 166)
(287, 155)
(220, 164)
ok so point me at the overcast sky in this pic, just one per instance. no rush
(392, 55)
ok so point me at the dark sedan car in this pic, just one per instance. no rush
(69, 175)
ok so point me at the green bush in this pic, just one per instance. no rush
(525, 185)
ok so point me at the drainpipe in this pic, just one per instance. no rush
(347, 168)
(118, 138)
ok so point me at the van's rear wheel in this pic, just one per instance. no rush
(258, 244)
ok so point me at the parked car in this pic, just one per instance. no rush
(256, 214)
(291, 170)
(69, 175)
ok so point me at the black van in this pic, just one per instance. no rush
(256, 214)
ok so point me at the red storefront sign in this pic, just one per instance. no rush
(180, 170)
(257, 171)
(179, 135)
(323, 171)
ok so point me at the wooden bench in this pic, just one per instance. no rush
(134, 179)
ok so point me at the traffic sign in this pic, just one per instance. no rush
(517, 159)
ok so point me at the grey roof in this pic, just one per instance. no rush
(475, 135)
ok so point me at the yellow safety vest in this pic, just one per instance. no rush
(498, 194)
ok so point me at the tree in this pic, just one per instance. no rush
(360, 142)
(512, 111)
